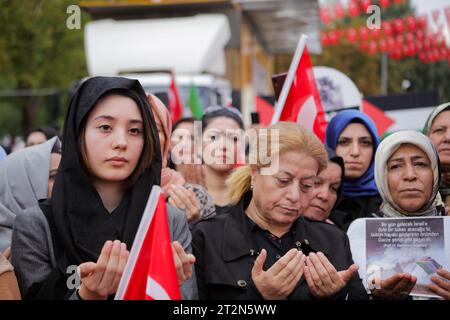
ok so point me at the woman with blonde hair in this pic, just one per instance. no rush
(263, 248)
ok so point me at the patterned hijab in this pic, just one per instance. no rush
(162, 114)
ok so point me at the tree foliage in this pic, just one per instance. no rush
(37, 51)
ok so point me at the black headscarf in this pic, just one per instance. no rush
(79, 222)
(333, 157)
(337, 216)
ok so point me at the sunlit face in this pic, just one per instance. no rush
(35, 138)
(325, 193)
(113, 139)
(355, 146)
(182, 143)
(440, 136)
(410, 177)
(55, 159)
(222, 144)
(282, 197)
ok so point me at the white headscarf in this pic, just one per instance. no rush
(385, 150)
(433, 115)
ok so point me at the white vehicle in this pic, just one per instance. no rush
(211, 90)
(192, 47)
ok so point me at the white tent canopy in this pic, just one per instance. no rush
(189, 45)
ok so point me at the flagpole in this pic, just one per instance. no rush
(290, 77)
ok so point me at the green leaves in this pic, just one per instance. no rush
(37, 50)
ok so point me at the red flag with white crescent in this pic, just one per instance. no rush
(150, 271)
(299, 99)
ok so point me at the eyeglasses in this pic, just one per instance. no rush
(213, 109)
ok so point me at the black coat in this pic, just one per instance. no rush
(349, 209)
(225, 256)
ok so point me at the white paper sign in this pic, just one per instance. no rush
(384, 246)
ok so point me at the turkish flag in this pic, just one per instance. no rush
(175, 104)
(299, 99)
(150, 271)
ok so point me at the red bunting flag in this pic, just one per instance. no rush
(353, 8)
(399, 25)
(385, 3)
(324, 39)
(419, 35)
(352, 35)
(373, 47)
(365, 4)
(325, 16)
(422, 21)
(339, 10)
(411, 23)
(387, 28)
(375, 33)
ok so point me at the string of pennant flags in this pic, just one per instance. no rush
(330, 13)
(400, 38)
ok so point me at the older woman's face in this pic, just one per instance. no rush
(355, 146)
(280, 198)
(325, 193)
(410, 177)
(440, 136)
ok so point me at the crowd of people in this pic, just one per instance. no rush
(242, 227)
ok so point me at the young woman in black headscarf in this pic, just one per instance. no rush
(110, 160)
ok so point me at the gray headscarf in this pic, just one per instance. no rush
(444, 189)
(433, 115)
(23, 181)
(385, 150)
